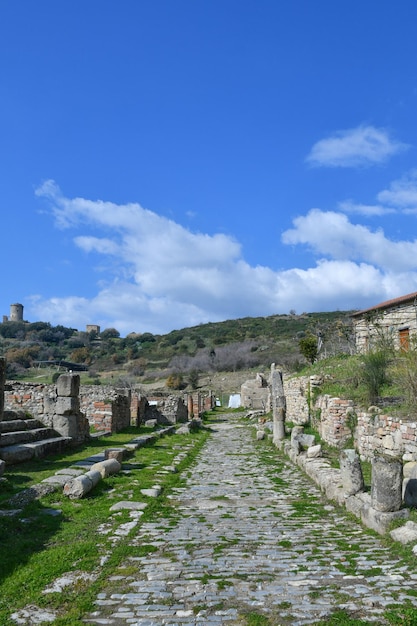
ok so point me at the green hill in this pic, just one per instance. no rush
(222, 346)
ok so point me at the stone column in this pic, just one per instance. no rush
(278, 404)
(386, 487)
(190, 406)
(68, 420)
(351, 472)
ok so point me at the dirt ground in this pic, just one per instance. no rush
(221, 383)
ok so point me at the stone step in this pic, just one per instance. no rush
(19, 424)
(9, 415)
(26, 451)
(26, 436)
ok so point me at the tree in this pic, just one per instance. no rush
(110, 333)
(193, 379)
(308, 348)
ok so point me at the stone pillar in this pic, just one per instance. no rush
(278, 404)
(386, 487)
(68, 420)
(351, 472)
(190, 406)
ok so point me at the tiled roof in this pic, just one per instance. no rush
(388, 303)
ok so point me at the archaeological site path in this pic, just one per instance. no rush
(247, 538)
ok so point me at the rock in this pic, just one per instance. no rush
(260, 434)
(405, 534)
(115, 453)
(184, 430)
(128, 505)
(32, 614)
(153, 492)
(314, 452)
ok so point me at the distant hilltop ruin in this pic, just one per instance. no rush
(16, 315)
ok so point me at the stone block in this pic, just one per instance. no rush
(386, 486)
(381, 521)
(351, 472)
(67, 405)
(68, 385)
(66, 425)
(115, 453)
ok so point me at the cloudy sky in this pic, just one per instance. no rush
(166, 163)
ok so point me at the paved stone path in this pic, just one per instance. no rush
(246, 539)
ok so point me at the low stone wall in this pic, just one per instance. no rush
(27, 397)
(385, 434)
(337, 420)
(106, 408)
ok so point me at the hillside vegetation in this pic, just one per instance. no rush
(34, 350)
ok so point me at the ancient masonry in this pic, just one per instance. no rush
(338, 420)
(107, 408)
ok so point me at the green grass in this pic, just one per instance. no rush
(38, 548)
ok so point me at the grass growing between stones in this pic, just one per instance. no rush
(38, 547)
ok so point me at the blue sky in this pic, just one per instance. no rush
(170, 163)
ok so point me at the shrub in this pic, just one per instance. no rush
(308, 348)
(175, 381)
(374, 372)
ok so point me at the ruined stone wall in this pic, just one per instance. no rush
(386, 434)
(28, 397)
(255, 394)
(331, 418)
(336, 419)
(296, 391)
(167, 410)
(105, 407)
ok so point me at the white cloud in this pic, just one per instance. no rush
(365, 145)
(402, 193)
(164, 276)
(369, 210)
(332, 234)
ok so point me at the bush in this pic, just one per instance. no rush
(374, 373)
(175, 381)
(308, 348)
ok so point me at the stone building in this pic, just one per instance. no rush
(393, 320)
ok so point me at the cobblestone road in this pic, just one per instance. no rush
(246, 539)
